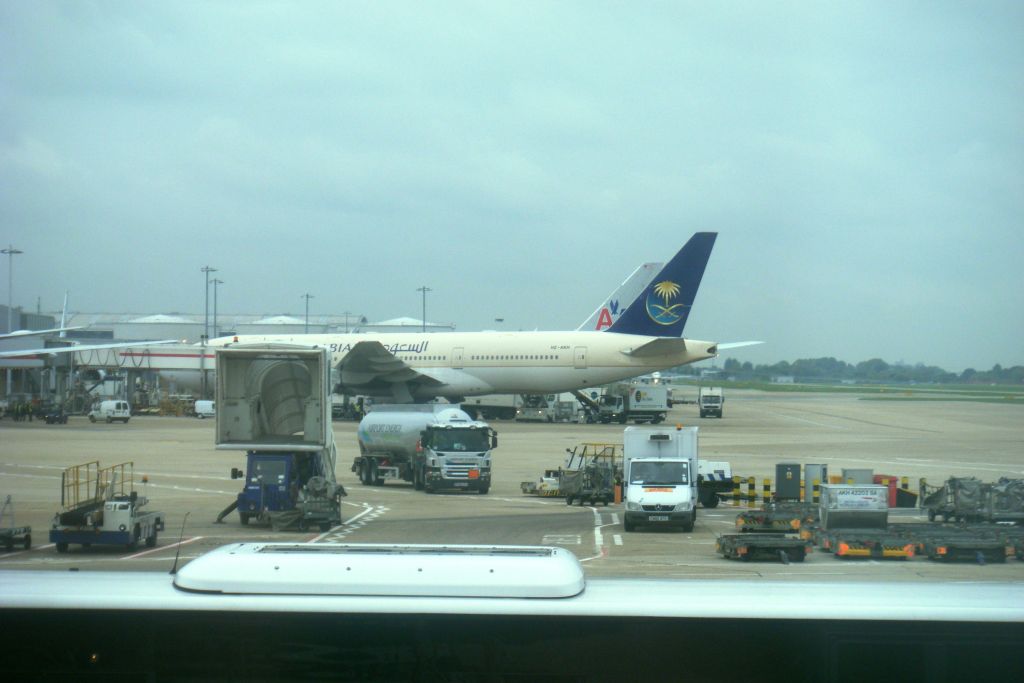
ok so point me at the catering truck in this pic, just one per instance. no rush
(273, 404)
(637, 402)
(660, 477)
(433, 446)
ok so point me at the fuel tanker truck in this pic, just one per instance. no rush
(433, 446)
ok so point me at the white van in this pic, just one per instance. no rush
(110, 411)
(205, 409)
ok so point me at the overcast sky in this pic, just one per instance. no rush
(863, 164)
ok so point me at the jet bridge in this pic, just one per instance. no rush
(273, 398)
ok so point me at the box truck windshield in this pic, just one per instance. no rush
(662, 472)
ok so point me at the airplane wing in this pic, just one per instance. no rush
(17, 353)
(34, 333)
(371, 368)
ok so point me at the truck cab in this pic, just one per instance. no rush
(457, 457)
(711, 401)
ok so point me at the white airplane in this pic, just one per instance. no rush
(616, 303)
(406, 367)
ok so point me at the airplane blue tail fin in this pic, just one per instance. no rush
(662, 308)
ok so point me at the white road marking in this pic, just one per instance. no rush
(617, 538)
(163, 547)
(561, 539)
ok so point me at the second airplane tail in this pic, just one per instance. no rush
(664, 305)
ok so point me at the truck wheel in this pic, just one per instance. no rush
(483, 490)
(568, 500)
(931, 515)
(417, 478)
(688, 527)
(151, 540)
(92, 418)
(628, 525)
(712, 501)
(243, 517)
(62, 547)
(136, 535)
(28, 541)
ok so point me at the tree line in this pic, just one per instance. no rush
(875, 370)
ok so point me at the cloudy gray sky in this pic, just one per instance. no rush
(863, 164)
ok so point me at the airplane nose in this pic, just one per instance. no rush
(713, 349)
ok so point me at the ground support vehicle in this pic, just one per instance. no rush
(11, 534)
(777, 517)
(967, 499)
(592, 484)
(493, 406)
(639, 403)
(660, 477)
(602, 456)
(714, 479)
(546, 486)
(535, 408)
(433, 446)
(273, 403)
(966, 549)
(289, 490)
(762, 547)
(710, 401)
(875, 544)
(102, 507)
(56, 417)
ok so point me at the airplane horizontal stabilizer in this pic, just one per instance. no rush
(658, 347)
(737, 345)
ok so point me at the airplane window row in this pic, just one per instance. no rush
(516, 357)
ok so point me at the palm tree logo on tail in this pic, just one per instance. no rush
(663, 313)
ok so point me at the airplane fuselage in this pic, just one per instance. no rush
(474, 363)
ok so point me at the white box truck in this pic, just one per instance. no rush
(711, 401)
(660, 477)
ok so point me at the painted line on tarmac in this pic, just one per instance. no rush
(338, 533)
(617, 538)
(165, 547)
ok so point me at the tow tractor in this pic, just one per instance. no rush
(102, 507)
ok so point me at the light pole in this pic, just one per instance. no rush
(206, 325)
(215, 282)
(10, 251)
(424, 289)
(307, 296)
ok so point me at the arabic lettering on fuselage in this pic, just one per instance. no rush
(419, 347)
